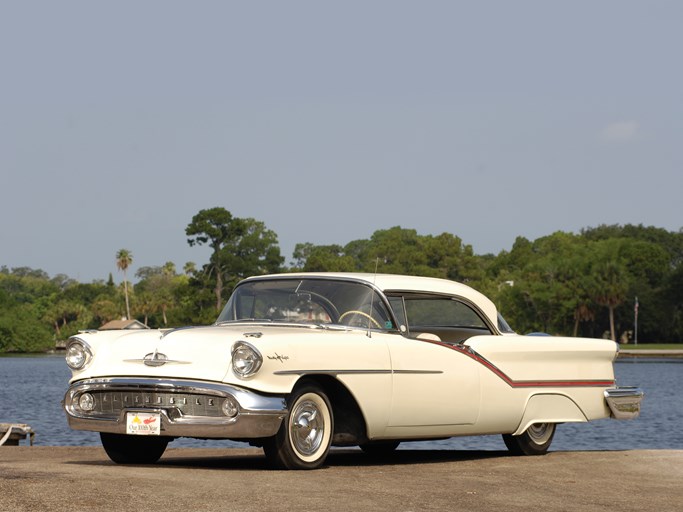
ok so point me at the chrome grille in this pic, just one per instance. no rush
(111, 403)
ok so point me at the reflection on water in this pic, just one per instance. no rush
(31, 389)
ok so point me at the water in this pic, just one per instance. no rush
(31, 389)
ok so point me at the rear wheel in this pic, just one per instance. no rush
(305, 435)
(127, 449)
(534, 441)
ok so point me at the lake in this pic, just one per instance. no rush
(31, 389)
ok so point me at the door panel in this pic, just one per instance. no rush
(432, 385)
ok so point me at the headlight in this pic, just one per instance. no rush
(78, 354)
(246, 359)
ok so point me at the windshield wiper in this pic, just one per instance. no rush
(334, 327)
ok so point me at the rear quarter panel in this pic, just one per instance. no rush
(517, 368)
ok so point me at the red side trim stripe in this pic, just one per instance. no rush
(523, 383)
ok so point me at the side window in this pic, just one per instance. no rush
(447, 318)
(442, 312)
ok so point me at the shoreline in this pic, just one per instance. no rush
(629, 353)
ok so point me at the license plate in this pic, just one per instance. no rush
(143, 423)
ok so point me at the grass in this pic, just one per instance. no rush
(652, 346)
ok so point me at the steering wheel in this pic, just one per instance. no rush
(356, 312)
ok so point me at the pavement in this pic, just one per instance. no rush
(206, 479)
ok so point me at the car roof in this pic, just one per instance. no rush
(399, 283)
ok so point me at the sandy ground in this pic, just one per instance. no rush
(83, 479)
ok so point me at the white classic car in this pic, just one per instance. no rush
(297, 363)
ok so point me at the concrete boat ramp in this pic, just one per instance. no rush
(83, 479)
(12, 433)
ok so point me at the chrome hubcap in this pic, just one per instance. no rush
(539, 433)
(307, 427)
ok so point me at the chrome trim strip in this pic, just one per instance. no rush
(332, 372)
(418, 372)
(624, 402)
(356, 372)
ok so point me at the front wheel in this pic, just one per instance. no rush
(305, 435)
(534, 441)
(129, 449)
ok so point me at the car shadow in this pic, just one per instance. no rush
(254, 459)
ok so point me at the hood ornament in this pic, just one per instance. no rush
(155, 359)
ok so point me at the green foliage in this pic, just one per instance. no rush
(395, 251)
(157, 294)
(571, 284)
(590, 281)
(19, 330)
(241, 247)
(671, 242)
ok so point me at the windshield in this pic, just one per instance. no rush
(308, 301)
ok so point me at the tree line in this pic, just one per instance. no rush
(588, 284)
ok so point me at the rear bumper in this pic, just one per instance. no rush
(186, 408)
(624, 402)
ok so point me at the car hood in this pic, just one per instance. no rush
(195, 353)
(198, 353)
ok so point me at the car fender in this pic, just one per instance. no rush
(549, 408)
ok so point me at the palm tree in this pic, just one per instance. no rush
(124, 258)
(611, 291)
(168, 269)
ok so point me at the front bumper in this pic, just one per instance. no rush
(187, 408)
(624, 402)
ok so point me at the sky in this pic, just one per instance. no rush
(328, 121)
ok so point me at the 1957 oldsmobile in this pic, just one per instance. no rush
(297, 363)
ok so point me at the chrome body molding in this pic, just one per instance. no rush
(624, 402)
(417, 372)
(187, 408)
(356, 372)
